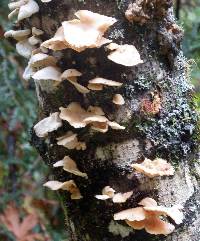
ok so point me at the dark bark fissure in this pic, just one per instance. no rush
(168, 134)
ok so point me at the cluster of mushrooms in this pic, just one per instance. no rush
(87, 31)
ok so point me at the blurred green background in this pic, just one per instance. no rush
(22, 172)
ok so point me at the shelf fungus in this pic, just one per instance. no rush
(126, 55)
(23, 8)
(48, 73)
(80, 118)
(98, 83)
(109, 193)
(18, 34)
(49, 124)
(71, 75)
(69, 186)
(150, 217)
(70, 141)
(84, 32)
(70, 166)
(118, 99)
(157, 167)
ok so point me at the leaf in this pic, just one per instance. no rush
(22, 230)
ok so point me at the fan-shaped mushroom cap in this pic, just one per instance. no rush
(49, 124)
(70, 141)
(37, 32)
(33, 40)
(18, 4)
(114, 125)
(172, 212)
(95, 87)
(42, 60)
(148, 202)
(126, 55)
(18, 34)
(132, 214)
(103, 81)
(118, 99)
(71, 75)
(24, 48)
(122, 197)
(46, 1)
(28, 9)
(107, 193)
(157, 167)
(69, 186)
(95, 110)
(57, 42)
(70, 166)
(87, 31)
(48, 73)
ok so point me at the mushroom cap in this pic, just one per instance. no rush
(42, 60)
(33, 40)
(48, 73)
(103, 81)
(18, 34)
(37, 32)
(28, 9)
(148, 202)
(122, 197)
(49, 124)
(118, 99)
(70, 166)
(132, 214)
(95, 87)
(157, 167)
(18, 4)
(126, 55)
(114, 125)
(24, 48)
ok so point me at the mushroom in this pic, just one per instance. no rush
(13, 13)
(27, 10)
(109, 193)
(98, 83)
(18, 34)
(42, 60)
(157, 167)
(49, 124)
(18, 4)
(33, 40)
(37, 32)
(24, 48)
(118, 99)
(70, 166)
(70, 141)
(48, 73)
(71, 75)
(126, 55)
(69, 186)
(90, 27)
(148, 217)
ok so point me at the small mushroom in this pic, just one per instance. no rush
(18, 35)
(49, 124)
(37, 32)
(126, 55)
(48, 73)
(98, 83)
(118, 99)
(18, 4)
(70, 141)
(157, 167)
(71, 75)
(24, 48)
(69, 186)
(132, 214)
(70, 166)
(42, 60)
(33, 40)
(28, 9)
(109, 193)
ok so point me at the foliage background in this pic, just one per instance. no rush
(22, 172)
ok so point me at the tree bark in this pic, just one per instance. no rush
(169, 133)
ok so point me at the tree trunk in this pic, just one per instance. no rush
(169, 133)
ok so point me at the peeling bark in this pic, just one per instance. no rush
(168, 133)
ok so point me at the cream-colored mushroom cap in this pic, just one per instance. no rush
(27, 10)
(24, 48)
(126, 55)
(48, 73)
(18, 34)
(157, 167)
(41, 60)
(18, 4)
(118, 99)
(122, 197)
(37, 32)
(57, 42)
(132, 214)
(33, 40)
(103, 81)
(49, 124)
(70, 166)
(69, 186)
